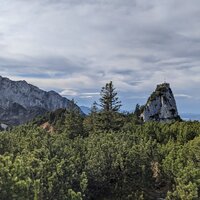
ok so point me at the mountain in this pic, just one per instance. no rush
(20, 102)
(161, 105)
(190, 116)
(85, 110)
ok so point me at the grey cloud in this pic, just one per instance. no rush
(135, 83)
(133, 42)
(123, 71)
(58, 65)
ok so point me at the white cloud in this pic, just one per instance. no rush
(183, 96)
(69, 92)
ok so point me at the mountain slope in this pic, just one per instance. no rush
(21, 102)
(85, 110)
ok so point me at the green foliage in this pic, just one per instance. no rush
(110, 104)
(109, 101)
(91, 122)
(86, 158)
(146, 161)
(137, 111)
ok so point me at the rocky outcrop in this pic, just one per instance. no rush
(21, 102)
(161, 105)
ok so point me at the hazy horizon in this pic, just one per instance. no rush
(74, 47)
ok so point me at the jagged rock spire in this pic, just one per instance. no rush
(161, 105)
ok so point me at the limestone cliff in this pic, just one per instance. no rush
(161, 105)
(21, 102)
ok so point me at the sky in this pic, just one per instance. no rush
(76, 46)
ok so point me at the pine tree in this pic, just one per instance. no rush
(137, 111)
(109, 102)
(73, 121)
(94, 108)
(91, 122)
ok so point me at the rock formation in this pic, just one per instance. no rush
(21, 102)
(161, 105)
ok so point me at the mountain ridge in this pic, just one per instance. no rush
(20, 101)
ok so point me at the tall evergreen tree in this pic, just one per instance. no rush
(109, 117)
(109, 101)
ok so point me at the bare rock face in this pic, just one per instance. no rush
(21, 102)
(161, 105)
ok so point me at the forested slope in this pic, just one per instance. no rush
(137, 162)
(104, 156)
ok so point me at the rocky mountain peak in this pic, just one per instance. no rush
(161, 105)
(21, 102)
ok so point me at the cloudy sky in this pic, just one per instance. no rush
(76, 46)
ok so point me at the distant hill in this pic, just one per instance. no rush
(85, 110)
(21, 102)
(190, 116)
